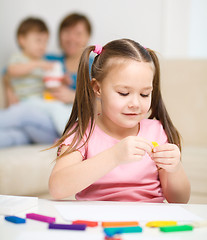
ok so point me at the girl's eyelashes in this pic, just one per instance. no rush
(127, 93)
(145, 95)
(123, 94)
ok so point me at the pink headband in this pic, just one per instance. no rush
(98, 49)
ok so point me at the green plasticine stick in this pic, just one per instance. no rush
(177, 228)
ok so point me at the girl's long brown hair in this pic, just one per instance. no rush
(84, 104)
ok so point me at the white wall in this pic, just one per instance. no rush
(176, 15)
(174, 28)
(111, 19)
(184, 29)
(198, 29)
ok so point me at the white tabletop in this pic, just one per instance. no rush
(35, 230)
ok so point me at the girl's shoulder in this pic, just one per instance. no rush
(71, 135)
(94, 134)
(81, 147)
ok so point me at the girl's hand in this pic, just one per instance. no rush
(132, 148)
(167, 156)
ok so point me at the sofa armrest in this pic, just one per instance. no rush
(25, 170)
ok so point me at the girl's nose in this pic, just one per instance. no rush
(134, 102)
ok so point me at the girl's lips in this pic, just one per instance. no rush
(130, 114)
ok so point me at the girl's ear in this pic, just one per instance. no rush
(96, 87)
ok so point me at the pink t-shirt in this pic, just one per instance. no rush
(135, 181)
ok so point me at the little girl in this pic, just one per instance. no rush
(107, 154)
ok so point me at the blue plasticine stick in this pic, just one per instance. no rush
(15, 219)
(111, 231)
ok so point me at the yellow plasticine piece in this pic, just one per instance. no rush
(155, 144)
(161, 223)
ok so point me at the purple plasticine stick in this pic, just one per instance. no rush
(80, 227)
(39, 217)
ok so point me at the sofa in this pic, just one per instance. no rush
(25, 170)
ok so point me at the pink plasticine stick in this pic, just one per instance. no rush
(41, 218)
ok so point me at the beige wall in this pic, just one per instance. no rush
(184, 86)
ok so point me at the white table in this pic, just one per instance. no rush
(39, 230)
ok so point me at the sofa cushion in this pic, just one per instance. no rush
(195, 164)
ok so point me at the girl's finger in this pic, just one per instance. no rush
(165, 147)
(167, 168)
(144, 146)
(139, 151)
(164, 154)
(163, 161)
(164, 166)
(140, 139)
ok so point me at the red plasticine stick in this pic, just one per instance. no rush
(112, 238)
(88, 223)
(39, 217)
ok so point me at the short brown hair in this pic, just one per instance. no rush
(31, 24)
(72, 20)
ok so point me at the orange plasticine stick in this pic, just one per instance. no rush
(119, 224)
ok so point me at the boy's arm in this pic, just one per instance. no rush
(10, 96)
(21, 69)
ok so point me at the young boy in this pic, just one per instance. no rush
(26, 69)
(31, 119)
(25, 121)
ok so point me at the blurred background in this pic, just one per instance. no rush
(176, 30)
